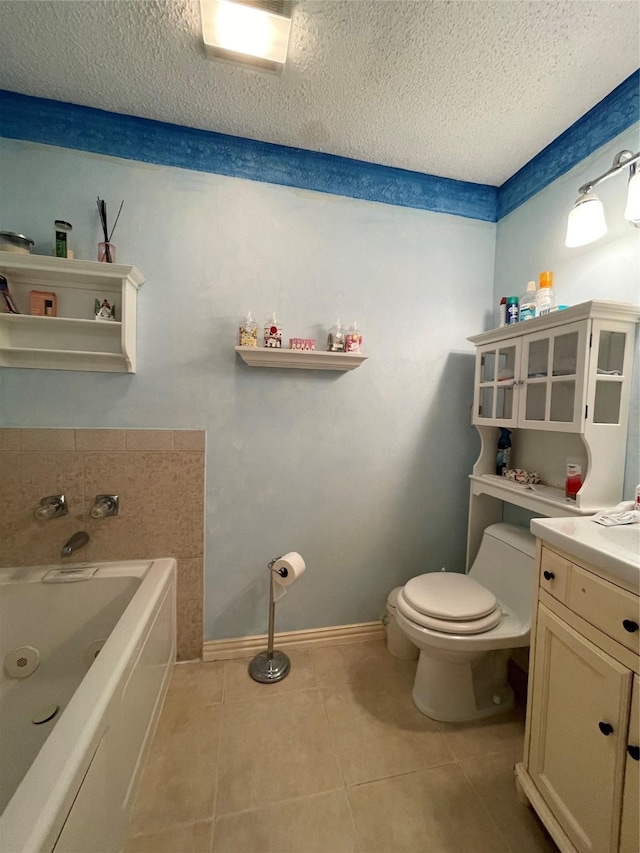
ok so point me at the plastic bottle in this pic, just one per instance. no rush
(353, 338)
(511, 310)
(273, 333)
(248, 332)
(503, 457)
(574, 479)
(335, 342)
(502, 312)
(528, 303)
(545, 299)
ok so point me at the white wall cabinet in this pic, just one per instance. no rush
(72, 340)
(562, 384)
(580, 767)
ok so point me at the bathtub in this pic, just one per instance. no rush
(106, 646)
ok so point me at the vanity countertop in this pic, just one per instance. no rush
(613, 550)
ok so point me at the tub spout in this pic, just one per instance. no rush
(78, 540)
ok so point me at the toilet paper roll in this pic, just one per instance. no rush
(288, 568)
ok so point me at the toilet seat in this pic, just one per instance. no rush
(449, 602)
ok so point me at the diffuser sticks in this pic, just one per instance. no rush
(106, 250)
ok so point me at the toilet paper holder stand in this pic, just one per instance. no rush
(271, 665)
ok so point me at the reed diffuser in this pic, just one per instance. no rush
(106, 250)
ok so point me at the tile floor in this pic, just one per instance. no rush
(334, 759)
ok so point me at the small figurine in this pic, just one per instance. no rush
(104, 311)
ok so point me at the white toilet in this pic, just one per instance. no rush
(466, 625)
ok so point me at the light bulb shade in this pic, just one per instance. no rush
(632, 210)
(586, 221)
(244, 32)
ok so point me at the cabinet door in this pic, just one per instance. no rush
(579, 716)
(630, 829)
(495, 386)
(552, 381)
(611, 362)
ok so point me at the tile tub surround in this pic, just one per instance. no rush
(159, 478)
(333, 759)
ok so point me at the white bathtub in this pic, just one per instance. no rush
(68, 784)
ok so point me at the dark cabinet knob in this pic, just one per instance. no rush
(605, 728)
(634, 752)
(630, 626)
(548, 576)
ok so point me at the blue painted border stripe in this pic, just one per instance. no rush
(132, 138)
(613, 114)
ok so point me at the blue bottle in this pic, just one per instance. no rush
(503, 457)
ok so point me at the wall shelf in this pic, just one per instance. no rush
(73, 340)
(300, 359)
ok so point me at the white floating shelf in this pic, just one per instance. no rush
(300, 359)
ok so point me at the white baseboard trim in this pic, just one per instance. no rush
(241, 647)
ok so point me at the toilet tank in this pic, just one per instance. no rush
(505, 565)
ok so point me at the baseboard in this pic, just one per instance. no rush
(240, 647)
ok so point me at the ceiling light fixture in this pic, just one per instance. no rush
(254, 32)
(586, 221)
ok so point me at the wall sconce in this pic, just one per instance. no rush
(586, 221)
(253, 32)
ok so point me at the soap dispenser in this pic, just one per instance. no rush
(353, 338)
(335, 342)
(248, 332)
(273, 333)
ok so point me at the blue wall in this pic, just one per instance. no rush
(364, 473)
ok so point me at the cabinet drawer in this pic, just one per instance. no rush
(611, 609)
(554, 574)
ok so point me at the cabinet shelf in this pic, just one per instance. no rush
(545, 500)
(300, 359)
(73, 340)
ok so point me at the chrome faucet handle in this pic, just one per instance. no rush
(105, 506)
(53, 506)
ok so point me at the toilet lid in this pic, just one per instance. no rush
(449, 626)
(449, 595)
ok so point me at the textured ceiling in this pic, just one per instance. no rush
(468, 90)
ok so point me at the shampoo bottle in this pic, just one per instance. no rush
(503, 457)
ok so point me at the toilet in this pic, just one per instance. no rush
(466, 624)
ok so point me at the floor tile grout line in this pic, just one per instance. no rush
(353, 822)
(170, 828)
(332, 739)
(351, 786)
(280, 802)
(487, 810)
(218, 750)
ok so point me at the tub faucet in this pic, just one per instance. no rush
(77, 541)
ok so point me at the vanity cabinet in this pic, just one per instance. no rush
(74, 339)
(580, 766)
(561, 383)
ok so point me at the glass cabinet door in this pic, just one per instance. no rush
(553, 381)
(496, 367)
(609, 377)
